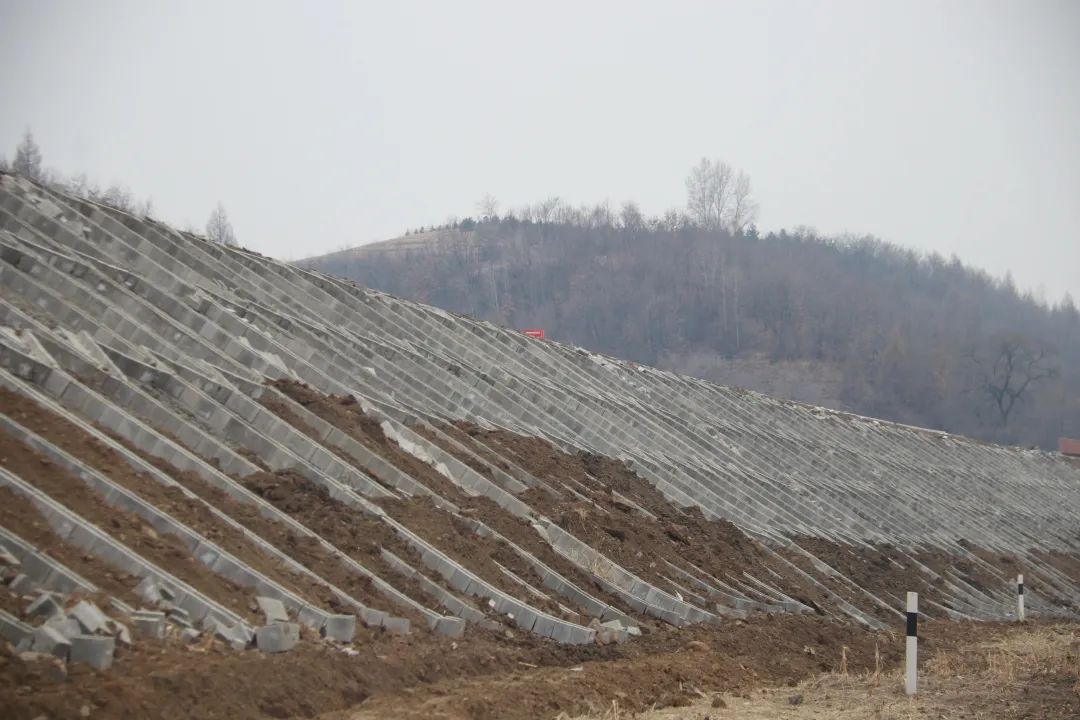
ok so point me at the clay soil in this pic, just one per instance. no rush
(345, 414)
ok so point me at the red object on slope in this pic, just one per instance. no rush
(1068, 446)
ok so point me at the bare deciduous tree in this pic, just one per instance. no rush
(718, 197)
(631, 217)
(1009, 366)
(218, 227)
(743, 206)
(488, 207)
(28, 158)
(708, 192)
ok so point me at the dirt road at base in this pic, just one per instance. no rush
(482, 675)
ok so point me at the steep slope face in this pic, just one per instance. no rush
(855, 325)
(193, 426)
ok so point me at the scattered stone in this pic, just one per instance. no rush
(189, 635)
(20, 583)
(120, 631)
(44, 605)
(89, 617)
(94, 650)
(6, 558)
(697, 646)
(718, 702)
(339, 627)
(180, 618)
(65, 625)
(277, 638)
(149, 623)
(49, 640)
(273, 609)
(795, 699)
(236, 636)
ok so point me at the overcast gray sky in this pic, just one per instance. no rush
(950, 126)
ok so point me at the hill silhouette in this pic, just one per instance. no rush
(851, 323)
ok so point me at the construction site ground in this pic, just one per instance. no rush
(497, 672)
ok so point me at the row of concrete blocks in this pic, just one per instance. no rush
(727, 600)
(370, 616)
(330, 435)
(77, 532)
(442, 624)
(643, 596)
(439, 623)
(233, 417)
(337, 627)
(552, 580)
(519, 613)
(455, 605)
(453, 469)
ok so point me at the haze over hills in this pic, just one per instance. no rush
(848, 323)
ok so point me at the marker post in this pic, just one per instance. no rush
(1020, 598)
(912, 642)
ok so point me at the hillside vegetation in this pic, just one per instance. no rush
(852, 323)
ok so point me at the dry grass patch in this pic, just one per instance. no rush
(1032, 671)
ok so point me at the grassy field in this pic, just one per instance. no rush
(1032, 671)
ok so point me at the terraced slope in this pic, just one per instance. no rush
(216, 425)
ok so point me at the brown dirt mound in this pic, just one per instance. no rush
(345, 414)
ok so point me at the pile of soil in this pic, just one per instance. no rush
(346, 415)
(620, 531)
(357, 535)
(420, 514)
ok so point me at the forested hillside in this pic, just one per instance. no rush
(853, 323)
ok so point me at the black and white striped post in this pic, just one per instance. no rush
(912, 642)
(1020, 598)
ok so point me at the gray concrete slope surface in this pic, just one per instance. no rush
(125, 323)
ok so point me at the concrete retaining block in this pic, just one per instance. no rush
(93, 650)
(276, 638)
(149, 623)
(49, 640)
(89, 617)
(45, 605)
(273, 609)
